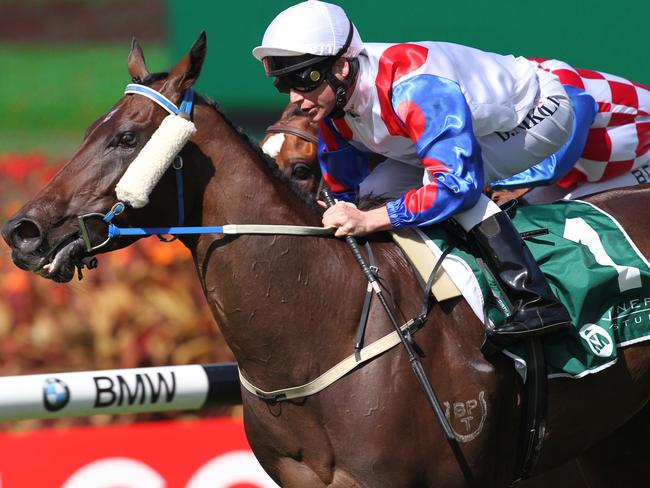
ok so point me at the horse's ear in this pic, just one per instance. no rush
(137, 67)
(187, 71)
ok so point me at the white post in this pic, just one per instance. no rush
(118, 391)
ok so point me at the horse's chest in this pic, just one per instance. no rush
(293, 447)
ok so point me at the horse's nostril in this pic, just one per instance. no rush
(26, 235)
(27, 230)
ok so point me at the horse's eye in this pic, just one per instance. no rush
(128, 139)
(301, 172)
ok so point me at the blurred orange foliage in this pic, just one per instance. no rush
(143, 306)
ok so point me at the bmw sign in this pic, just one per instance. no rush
(56, 394)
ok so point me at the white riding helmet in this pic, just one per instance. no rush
(310, 27)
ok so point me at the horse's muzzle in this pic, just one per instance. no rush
(22, 235)
(32, 252)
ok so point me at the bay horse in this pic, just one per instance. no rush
(293, 142)
(289, 306)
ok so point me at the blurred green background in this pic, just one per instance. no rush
(63, 62)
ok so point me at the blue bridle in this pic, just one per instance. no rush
(185, 110)
(186, 104)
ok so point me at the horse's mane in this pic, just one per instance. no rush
(254, 145)
(365, 203)
(270, 162)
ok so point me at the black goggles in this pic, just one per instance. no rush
(306, 79)
(303, 73)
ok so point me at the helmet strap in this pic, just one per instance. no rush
(340, 88)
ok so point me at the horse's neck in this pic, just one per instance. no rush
(271, 295)
(244, 188)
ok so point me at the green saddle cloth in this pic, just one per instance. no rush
(594, 269)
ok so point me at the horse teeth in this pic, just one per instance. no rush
(47, 267)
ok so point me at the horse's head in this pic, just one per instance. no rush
(293, 142)
(45, 235)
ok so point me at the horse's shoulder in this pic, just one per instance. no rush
(392, 261)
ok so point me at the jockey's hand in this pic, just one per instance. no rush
(350, 221)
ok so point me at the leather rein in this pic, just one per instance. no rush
(281, 128)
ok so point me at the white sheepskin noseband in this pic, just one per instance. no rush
(154, 159)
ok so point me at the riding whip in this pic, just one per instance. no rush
(416, 365)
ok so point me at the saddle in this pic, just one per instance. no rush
(593, 268)
(591, 264)
(414, 244)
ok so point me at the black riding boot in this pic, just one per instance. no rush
(535, 308)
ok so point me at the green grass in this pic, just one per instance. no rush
(49, 95)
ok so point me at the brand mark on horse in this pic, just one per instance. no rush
(464, 412)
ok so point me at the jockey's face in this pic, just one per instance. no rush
(320, 102)
(317, 103)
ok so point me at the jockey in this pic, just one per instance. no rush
(448, 118)
(611, 130)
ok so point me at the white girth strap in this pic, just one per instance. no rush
(331, 375)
